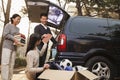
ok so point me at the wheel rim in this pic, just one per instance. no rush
(101, 69)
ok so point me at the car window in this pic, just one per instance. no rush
(55, 15)
(89, 26)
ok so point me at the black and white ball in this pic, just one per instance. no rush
(65, 63)
(79, 68)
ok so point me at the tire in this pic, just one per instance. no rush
(102, 67)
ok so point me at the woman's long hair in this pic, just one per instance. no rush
(32, 41)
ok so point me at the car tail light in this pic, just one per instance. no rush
(61, 47)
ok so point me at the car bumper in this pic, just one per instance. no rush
(76, 58)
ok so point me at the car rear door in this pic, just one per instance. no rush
(114, 29)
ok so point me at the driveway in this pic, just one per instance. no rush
(19, 74)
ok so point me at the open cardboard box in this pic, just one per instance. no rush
(67, 75)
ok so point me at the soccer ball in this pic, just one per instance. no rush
(79, 68)
(65, 63)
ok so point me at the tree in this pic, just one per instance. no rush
(79, 7)
(64, 5)
(6, 15)
(115, 6)
(102, 8)
(99, 8)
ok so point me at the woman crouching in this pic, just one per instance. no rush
(33, 54)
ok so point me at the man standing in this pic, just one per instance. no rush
(43, 29)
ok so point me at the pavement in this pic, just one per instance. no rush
(19, 74)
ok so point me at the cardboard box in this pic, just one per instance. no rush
(67, 75)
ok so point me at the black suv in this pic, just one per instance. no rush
(90, 42)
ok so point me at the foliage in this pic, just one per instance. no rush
(20, 62)
(24, 10)
(99, 8)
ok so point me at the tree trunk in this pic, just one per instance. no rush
(119, 16)
(79, 8)
(87, 10)
(6, 15)
(65, 4)
(119, 12)
(59, 3)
